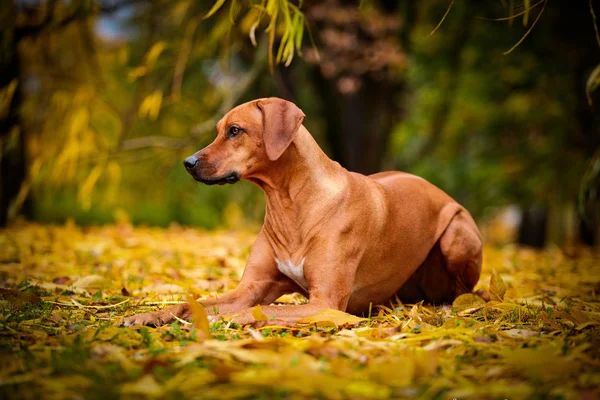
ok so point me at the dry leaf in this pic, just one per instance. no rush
(17, 298)
(414, 314)
(468, 300)
(90, 282)
(497, 286)
(538, 340)
(520, 333)
(336, 317)
(146, 386)
(200, 317)
(259, 315)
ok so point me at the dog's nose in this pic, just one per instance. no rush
(190, 162)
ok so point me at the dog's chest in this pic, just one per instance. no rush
(293, 271)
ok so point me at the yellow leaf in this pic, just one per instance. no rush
(200, 316)
(136, 73)
(154, 53)
(6, 94)
(468, 300)
(146, 386)
(79, 122)
(334, 316)
(543, 362)
(90, 282)
(150, 106)
(259, 315)
(497, 286)
(214, 8)
(414, 314)
(84, 194)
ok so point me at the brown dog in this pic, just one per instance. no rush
(343, 239)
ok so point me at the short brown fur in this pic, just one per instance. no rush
(362, 240)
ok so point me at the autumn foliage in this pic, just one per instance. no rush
(65, 289)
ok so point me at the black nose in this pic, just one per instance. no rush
(190, 162)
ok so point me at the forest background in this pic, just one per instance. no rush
(492, 101)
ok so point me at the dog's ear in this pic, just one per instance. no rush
(281, 121)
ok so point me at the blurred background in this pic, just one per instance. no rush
(494, 102)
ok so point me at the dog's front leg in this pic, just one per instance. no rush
(261, 283)
(328, 288)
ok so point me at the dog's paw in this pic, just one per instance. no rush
(153, 319)
(160, 317)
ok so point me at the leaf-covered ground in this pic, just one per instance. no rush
(65, 288)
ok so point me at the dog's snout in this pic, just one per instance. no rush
(190, 162)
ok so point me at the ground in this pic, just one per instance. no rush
(65, 289)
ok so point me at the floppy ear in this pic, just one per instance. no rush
(281, 121)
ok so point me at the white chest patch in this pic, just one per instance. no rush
(294, 272)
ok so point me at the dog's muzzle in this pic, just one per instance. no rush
(198, 172)
(231, 177)
(190, 163)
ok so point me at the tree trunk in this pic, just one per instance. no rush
(12, 134)
(359, 124)
(532, 229)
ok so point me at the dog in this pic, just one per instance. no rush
(345, 240)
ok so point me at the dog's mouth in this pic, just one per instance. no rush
(231, 177)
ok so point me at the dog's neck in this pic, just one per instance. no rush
(301, 186)
(303, 167)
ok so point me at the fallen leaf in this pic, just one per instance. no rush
(62, 280)
(200, 317)
(18, 299)
(468, 300)
(336, 317)
(146, 386)
(537, 341)
(163, 288)
(497, 286)
(520, 333)
(442, 344)
(414, 314)
(90, 282)
(542, 362)
(258, 314)
(587, 325)
(255, 334)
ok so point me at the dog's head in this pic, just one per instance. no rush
(249, 137)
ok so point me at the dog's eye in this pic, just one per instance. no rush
(233, 131)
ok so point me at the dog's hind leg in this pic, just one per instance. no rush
(452, 267)
(461, 249)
